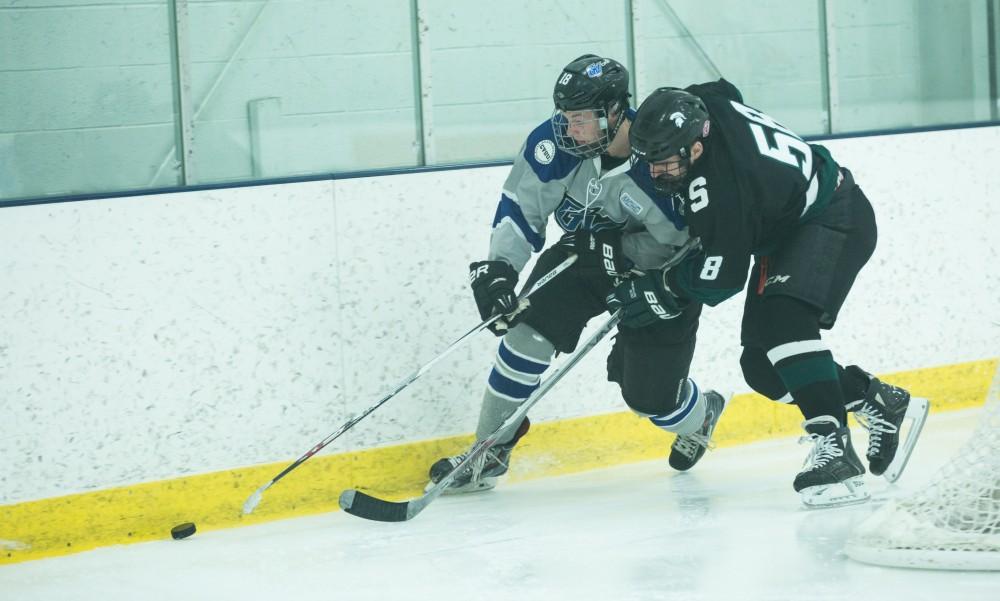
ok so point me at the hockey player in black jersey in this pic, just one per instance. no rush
(750, 188)
(574, 168)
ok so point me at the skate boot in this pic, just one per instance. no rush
(484, 471)
(833, 473)
(882, 412)
(689, 448)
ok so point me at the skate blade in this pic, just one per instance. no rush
(481, 485)
(916, 414)
(849, 492)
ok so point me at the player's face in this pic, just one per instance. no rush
(672, 167)
(583, 126)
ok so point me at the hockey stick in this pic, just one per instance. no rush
(253, 500)
(365, 506)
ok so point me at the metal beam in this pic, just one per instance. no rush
(824, 63)
(180, 63)
(630, 50)
(179, 40)
(422, 105)
(831, 72)
(992, 10)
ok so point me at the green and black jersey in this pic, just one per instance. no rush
(756, 182)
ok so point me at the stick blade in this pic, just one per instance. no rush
(252, 502)
(368, 507)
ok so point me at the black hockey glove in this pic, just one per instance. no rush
(493, 287)
(596, 252)
(645, 300)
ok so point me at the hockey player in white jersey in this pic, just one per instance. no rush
(575, 168)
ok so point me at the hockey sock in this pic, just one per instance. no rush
(760, 374)
(688, 414)
(810, 375)
(522, 357)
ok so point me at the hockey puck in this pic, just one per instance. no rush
(182, 530)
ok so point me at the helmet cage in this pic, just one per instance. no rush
(585, 150)
(666, 183)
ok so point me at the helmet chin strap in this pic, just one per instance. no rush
(612, 132)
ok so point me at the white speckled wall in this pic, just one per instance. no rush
(145, 338)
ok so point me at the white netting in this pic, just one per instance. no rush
(953, 523)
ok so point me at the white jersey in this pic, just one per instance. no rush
(546, 181)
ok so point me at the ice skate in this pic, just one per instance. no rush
(882, 413)
(833, 473)
(688, 449)
(484, 472)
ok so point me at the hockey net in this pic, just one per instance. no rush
(954, 522)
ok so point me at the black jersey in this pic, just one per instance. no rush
(754, 184)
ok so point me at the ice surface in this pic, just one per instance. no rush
(732, 529)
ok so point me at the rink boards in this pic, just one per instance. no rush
(164, 356)
(147, 511)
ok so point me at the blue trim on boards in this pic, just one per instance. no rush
(38, 200)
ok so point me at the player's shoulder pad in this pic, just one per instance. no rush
(721, 87)
(546, 159)
(639, 174)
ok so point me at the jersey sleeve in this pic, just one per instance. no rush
(532, 190)
(720, 87)
(662, 229)
(719, 271)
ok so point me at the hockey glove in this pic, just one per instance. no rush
(597, 252)
(493, 287)
(645, 300)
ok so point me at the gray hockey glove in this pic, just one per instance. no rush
(493, 285)
(598, 253)
(645, 300)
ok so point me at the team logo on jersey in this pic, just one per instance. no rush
(594, 70)
(677, 201)
(631, 204)
(545, 151)
(594, 188)
(571, 216)
(677, 118)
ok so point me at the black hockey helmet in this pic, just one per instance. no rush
(590, 83)
(667, 124)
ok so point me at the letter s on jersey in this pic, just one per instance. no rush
(698, 194)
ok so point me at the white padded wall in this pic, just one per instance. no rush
(149, 337)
